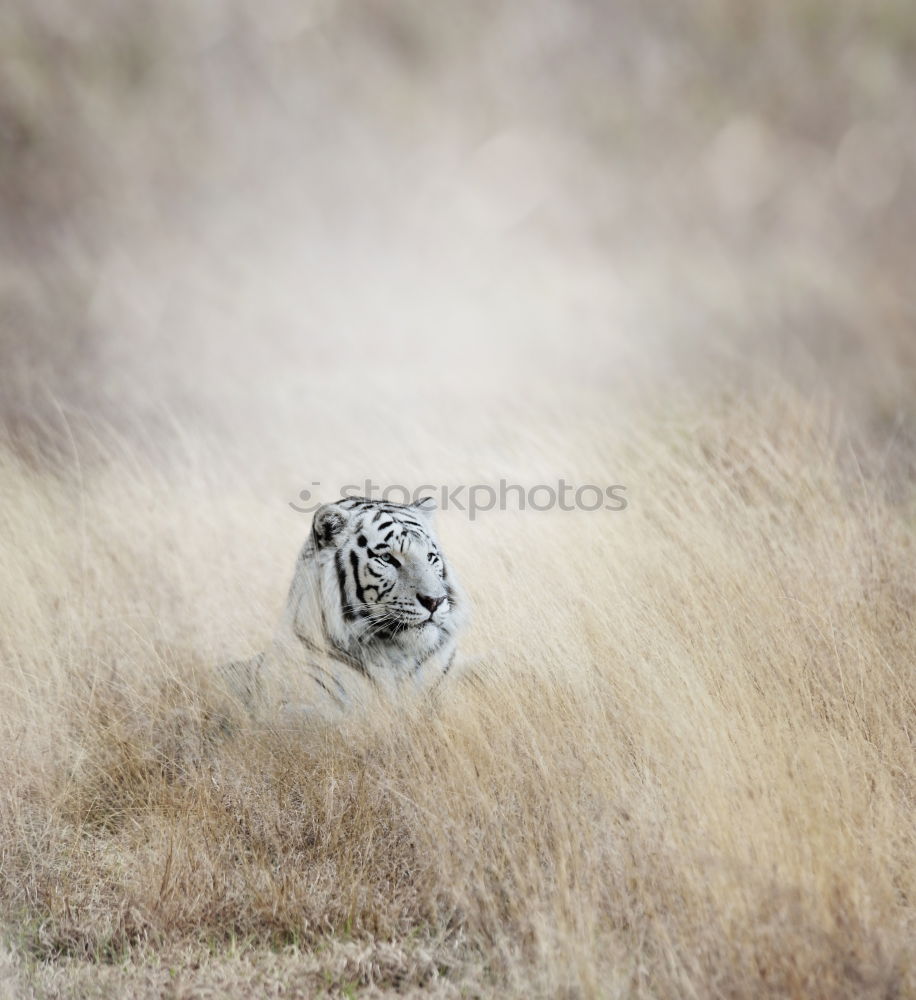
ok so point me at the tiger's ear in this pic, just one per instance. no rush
(328, 524)
(427, 507)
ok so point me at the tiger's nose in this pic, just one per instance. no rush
(430, 603)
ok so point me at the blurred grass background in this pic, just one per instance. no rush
(207, 205)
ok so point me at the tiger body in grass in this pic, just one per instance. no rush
(373, 610)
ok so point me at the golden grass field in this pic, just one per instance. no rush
(619, 244)
(684, 767)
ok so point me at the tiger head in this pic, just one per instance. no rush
(382, 577)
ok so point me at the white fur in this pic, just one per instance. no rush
(354, 628)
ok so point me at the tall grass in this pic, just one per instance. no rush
(296, 242)
(681, 764)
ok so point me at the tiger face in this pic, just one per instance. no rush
(389, 574)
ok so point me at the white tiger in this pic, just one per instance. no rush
(373, 610)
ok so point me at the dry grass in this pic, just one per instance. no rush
(247, 248)
(685, 767)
